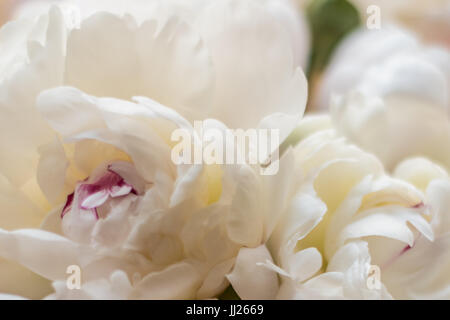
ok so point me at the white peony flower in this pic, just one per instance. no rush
(86, 176)
(343, 212)
(395, 90)
(389, 61)
(421, 273)
(282, 12)
(353, 232)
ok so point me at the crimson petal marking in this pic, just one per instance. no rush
(420, 205)
(398, 255)
(68, 204)
(93, 195)
(133, 190)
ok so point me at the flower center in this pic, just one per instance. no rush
(92, 193)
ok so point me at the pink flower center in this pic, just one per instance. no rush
(91, 196)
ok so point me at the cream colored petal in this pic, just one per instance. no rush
(389, 221)
(191, 183)
(278, 190)
(176, 67)
(304, 264)
(18, 280)
(116, 287)
(250, 280)
(98, 63)
(45, 253)
(25, 128)
(17, 211)
(354, 261)
(51, 170)
(372, 195)
(345, 69)
(125, 125)
(421, 272)
(178, 281)
(236, 32)
(165, 61)
(419, 171)
(215, 282)
(245, 224)
(304, 213)
(438, 193)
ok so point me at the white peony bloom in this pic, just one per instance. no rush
(426, 264)
(282, 12)
(89, 181)
(395, 90)
(352, 232)
(389, 61)
(430, 19)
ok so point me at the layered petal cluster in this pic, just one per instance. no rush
(394, 90)
(88, 103)
(354, 232)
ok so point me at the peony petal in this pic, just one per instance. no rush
(250, 280)
(304, 264)
(420, 172)
(116, 287)
(51, 170)
(18, 280)
(438, 193)
(17, 210)
(44, 70)
(304, 214)
(215, 282)
(152, 57)
(45, 253)
(387, 221)
(236, 32)
(178, 281)
(97, 62)
(122, 124)
(176, 69)
(244, 225)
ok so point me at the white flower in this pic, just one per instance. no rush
(393, 98)
(138, 225)
(350, 216)
(389, 61)
(422, 272)
(282, 12)
(346, 198)
(353, 232)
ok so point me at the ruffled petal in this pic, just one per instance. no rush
(236, 32)
(25, 126)
(249, 279)
(45, 253)
(178, 281)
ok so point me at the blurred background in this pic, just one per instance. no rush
(5, 10)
